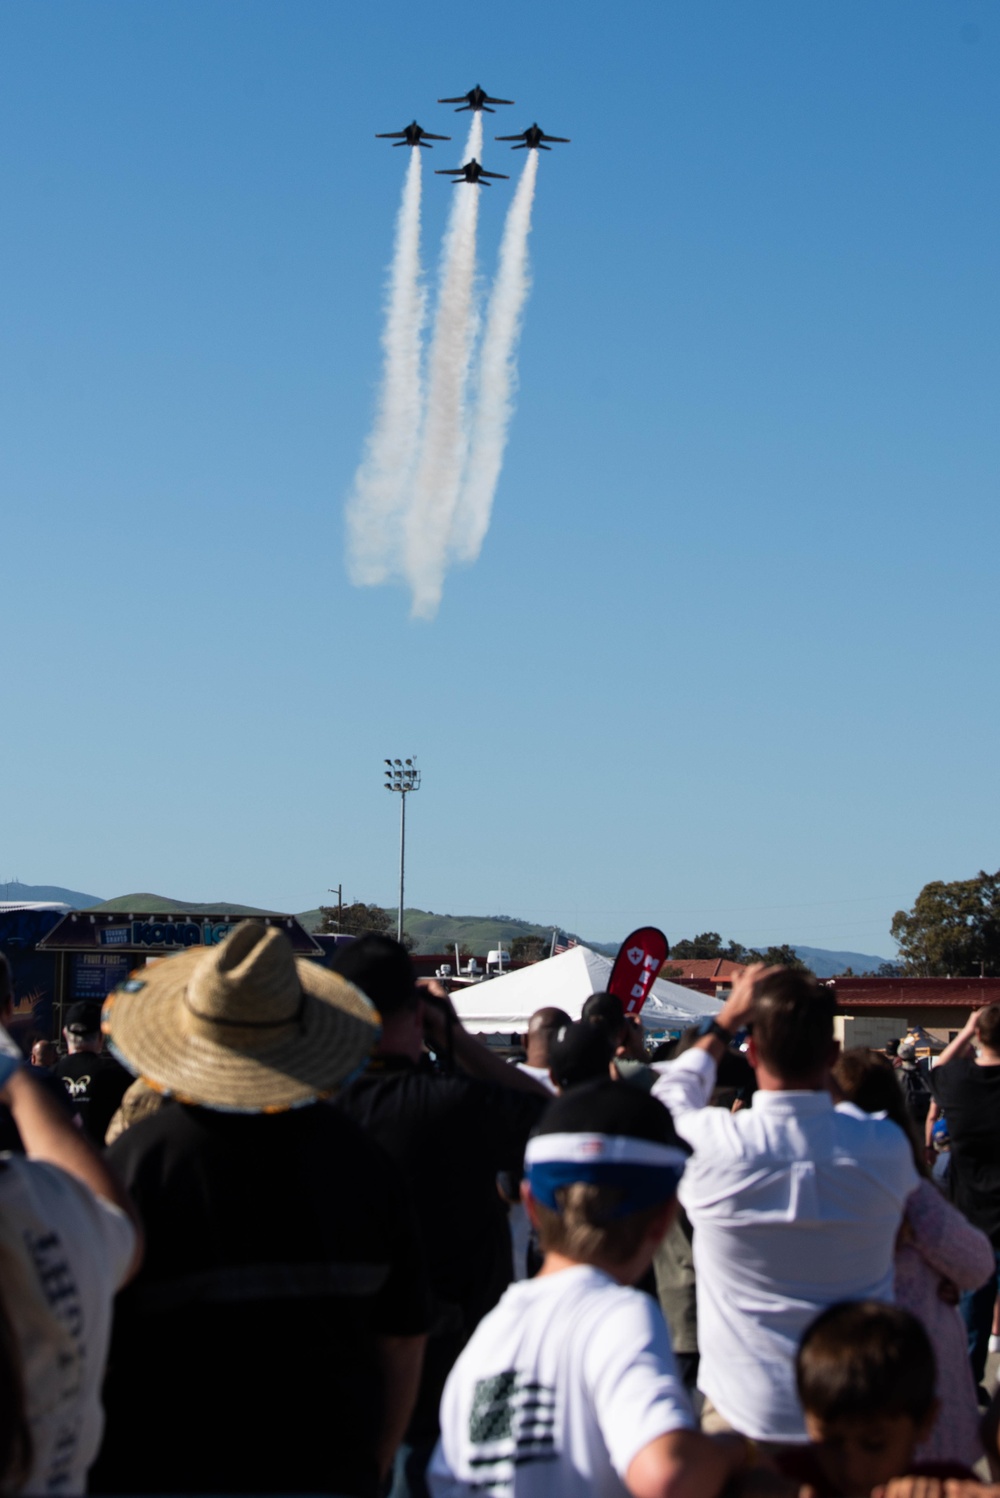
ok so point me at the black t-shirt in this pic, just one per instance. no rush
(450, 1135)
(95, 1086)
(970, 1097)
(279, 1248)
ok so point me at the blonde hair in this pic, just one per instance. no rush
(586, 1229)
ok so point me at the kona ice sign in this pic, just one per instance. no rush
(171, 936)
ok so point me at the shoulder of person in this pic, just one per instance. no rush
(873, 1135)
(93, 1231)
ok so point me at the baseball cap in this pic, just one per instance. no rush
(579, 1052)
(606, 1134)
(83, 1019)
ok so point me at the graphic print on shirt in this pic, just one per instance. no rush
(77, 1086)
(511, 1422)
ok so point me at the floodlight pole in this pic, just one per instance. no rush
(402, 776)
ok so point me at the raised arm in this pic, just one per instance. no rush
(443, 1027)
(962, 1043)
(48, 1134)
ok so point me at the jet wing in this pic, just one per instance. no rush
(391, 135)
(449, 171)
(512, 137)
(488, 100)
(429, 136)
(462, 99)
(562, 139)
(504, 175)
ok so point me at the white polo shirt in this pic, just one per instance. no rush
(795, 1205)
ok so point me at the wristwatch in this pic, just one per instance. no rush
(710, 1026)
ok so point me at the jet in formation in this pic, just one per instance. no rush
(532, 138)
(413, 135)
(471, 172)
(476, 98)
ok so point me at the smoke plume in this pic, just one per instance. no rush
(443, 449)
(382, 483)
(497, 373)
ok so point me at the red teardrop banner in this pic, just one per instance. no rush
(639, 959)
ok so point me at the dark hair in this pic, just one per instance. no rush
(862, 1358)
(868, 1080)
(988, 1026)
(579, 1053)
(604, 1009)
(793, 1023)
(382, 969)
(6, 983)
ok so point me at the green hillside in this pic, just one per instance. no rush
(430, 932)
(161, 905)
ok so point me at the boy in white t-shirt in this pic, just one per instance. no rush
(568, 1387)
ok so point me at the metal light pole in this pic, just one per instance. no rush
(402, 776)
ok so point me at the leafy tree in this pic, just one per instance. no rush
(783, 954)
(357, 919)
(699, 948)
(709, 945)
(953, 929)
(528, 949)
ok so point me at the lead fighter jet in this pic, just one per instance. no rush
(413, 135)
(471, 172)
(476, 98)
(531, 139)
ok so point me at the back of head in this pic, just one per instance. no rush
(579, 1053)
(792, 1022)
(603, 1162)
(989, 1027)
(83, 1023)
(382, 969)
(862, 1359)
(542, 1028)
(605, 1009)
(868, 1080)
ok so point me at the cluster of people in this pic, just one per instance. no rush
(336, 1244)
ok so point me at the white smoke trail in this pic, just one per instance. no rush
(381, 484)
(497, 373)
(442, 453)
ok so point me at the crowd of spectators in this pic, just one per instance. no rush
(268, 1227)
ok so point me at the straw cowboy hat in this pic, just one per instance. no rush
(244, 1027)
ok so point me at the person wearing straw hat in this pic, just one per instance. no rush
(273, 1340)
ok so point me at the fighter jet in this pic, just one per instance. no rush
(531, 139)
(471, 172)
(476, 98)
(413, 135)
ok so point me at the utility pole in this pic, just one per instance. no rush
(404, 777)
(339, 892)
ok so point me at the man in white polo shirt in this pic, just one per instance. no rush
(795, 1203)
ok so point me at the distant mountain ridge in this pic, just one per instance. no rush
(828, 964)
(14, 890)
(430, 932)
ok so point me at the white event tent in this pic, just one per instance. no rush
(505, 1004)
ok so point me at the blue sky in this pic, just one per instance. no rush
(728, 659)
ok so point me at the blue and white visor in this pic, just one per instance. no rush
(644, 1172)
